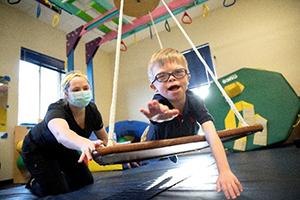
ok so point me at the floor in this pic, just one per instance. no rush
(265, 174)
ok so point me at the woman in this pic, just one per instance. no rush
(51, 148)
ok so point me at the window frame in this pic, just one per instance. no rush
(41, 61)
(196, 80)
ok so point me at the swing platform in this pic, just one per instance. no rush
(123, 153)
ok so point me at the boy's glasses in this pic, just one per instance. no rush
(164, 76)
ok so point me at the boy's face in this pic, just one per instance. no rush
(173, 88)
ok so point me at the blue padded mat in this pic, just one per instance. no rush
(265, 174)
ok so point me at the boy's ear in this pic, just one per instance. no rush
(153, 87)
(189, 78)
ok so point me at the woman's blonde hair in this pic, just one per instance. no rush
(163, 56)
(65, 84)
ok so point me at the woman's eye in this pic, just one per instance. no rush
(76, 89)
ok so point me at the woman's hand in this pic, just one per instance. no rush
(87, 149)
(158, 112)
(229, 184)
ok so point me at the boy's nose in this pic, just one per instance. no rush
(172, 78)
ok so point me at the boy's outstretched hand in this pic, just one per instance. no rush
(158, 112)
(229, 184)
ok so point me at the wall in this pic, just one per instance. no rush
(20, 30)
(256, 34)
(103, 73)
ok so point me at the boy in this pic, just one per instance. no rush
(175, 112)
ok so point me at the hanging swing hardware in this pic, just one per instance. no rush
(123, 46)
(205, 10)
(167, 26)
(186, 18)
(150, 32)
(225, 4)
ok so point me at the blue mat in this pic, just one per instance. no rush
(265, 174)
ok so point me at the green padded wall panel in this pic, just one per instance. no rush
(271, 95)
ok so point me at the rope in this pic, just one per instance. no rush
(115, 82)
(156, 32)
(229, 101)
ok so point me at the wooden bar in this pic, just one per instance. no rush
(132, 156)
(124, 153)
(119, 148)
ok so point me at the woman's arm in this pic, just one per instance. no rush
(65, 136)
(102, 135)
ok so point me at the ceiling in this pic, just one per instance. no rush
(69, 21)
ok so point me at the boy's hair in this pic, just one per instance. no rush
(163, 56)
(65, 84)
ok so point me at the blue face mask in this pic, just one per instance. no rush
(80, 99)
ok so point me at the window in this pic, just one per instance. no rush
(39, 85)
(200, 78)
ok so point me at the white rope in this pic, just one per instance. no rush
(156, 32)
(229, 101)
(207, 76)
(115, 82)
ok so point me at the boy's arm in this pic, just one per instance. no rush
(226, 180)
(158, 112)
